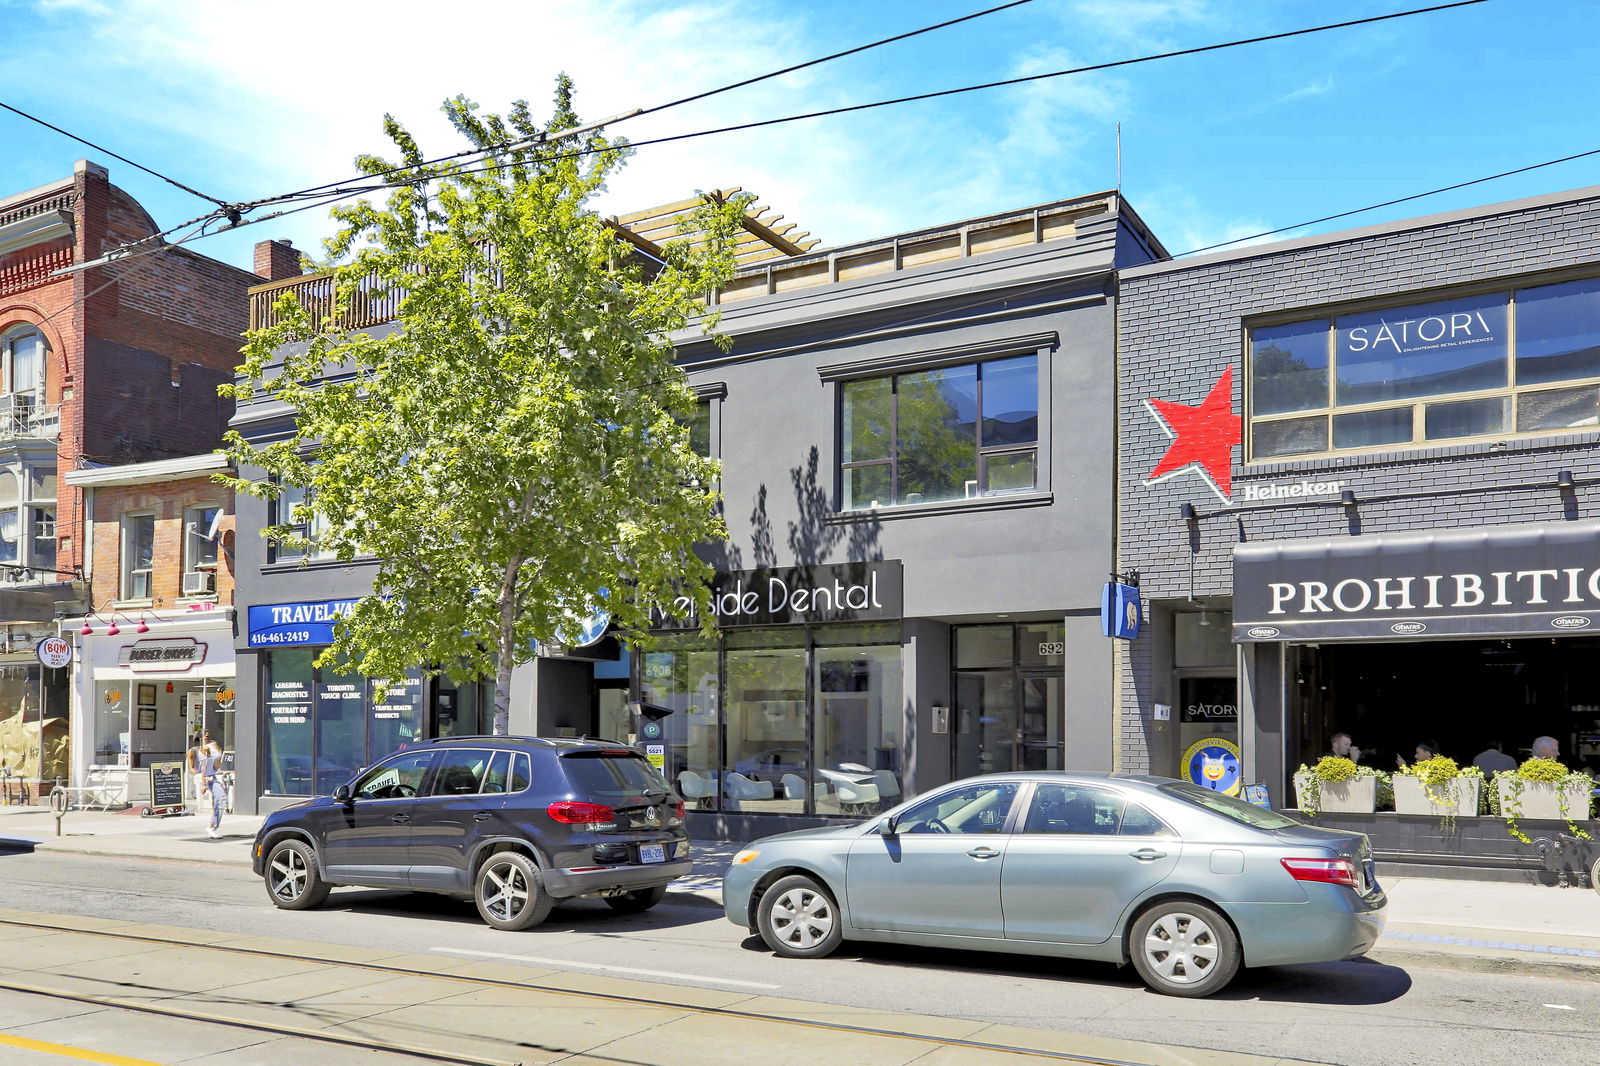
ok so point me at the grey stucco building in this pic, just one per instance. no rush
(1358, 477)
(927, 419)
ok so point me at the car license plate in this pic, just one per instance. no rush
(652, 853)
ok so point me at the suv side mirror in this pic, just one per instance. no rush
(342, 794)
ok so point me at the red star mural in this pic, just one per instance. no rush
(1203, 436)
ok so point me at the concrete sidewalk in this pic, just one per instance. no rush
(1515, 925)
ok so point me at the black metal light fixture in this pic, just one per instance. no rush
(1564, 479)
(1347, 499)
(1187, 511)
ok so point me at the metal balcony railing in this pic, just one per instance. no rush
(29, 421)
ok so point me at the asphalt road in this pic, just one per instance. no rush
(1375, 1012)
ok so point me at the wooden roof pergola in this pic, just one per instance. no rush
(763, 238)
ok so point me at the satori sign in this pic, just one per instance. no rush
(54, 652)
(162, 654)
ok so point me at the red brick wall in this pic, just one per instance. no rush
(168, 500)
(139, 346)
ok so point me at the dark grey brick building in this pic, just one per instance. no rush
(1358, 476)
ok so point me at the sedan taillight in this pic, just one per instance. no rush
(573, 812)
(1329, 871)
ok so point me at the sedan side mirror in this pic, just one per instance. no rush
(343, 795)
(890, 826)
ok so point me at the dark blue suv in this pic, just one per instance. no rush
(517, 823)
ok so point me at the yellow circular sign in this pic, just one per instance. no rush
(1214, 763)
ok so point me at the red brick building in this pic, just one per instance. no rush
(104, 365)
(153, 662)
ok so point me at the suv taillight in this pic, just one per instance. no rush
(1329, 871)
(573, 812)
(678, 808)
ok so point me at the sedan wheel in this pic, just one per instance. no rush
(1184, 949)
(798, 918)
(509, 892)
(293, 882)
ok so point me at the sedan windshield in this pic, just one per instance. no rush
(1228, 807)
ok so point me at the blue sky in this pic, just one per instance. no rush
(246, 98)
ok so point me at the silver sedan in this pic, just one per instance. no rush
(1185, 883)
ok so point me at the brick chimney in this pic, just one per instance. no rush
(277, 260)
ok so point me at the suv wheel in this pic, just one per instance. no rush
(798, 918)
(510, 892)
(293, 881)
(638, 901)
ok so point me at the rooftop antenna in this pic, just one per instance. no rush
(1119, 157)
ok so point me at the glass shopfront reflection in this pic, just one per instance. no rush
(1008, 698)
(785, 720)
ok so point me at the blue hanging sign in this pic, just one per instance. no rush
(1120, 610)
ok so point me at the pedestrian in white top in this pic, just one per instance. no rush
(208, 766)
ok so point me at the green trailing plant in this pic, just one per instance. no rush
(1334, 769)
(1441, 779)
(1559, 778)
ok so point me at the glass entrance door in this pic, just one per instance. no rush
(1008, 698)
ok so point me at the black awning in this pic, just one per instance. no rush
(1524, 580)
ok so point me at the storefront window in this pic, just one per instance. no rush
(859, 724)
(287, 683)
(322, 725)
(112, 713)
(813, 722)
(682, 674)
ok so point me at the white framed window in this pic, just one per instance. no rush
(292, 509)
(138, 556)
(22, 357)
(201, 535)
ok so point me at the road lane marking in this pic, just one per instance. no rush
(1558, 1006)
(68, 1052)
(670, 975)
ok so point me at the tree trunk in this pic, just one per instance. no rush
(505, 659)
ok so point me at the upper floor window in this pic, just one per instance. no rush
(947, 433)
(292, 508)
(1523, 361)
(27, 523)
(200, 536)
(138, 555)
(22, 362)
(700, 430)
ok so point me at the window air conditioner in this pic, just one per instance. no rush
(199, 582)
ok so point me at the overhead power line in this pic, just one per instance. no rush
(322, 189)
(120, 158)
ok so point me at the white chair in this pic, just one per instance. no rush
(794, 787)
(696, 788)
(888, 785)
(859, 797)
(740, 787)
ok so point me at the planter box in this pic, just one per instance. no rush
(1539, 800)
(1359, 795)
(1412, 797)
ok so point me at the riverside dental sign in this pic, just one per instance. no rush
(844, 592)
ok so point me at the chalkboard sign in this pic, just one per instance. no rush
(166, 784)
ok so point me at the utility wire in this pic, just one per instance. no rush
(1390, 203)
(317, 189)
(825, 59)
(113, 155)
(359, 190)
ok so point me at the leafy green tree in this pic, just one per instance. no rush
(514, 453)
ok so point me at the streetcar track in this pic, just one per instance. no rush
(616, 998)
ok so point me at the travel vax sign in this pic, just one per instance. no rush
(1505, 580)
(277, 625)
